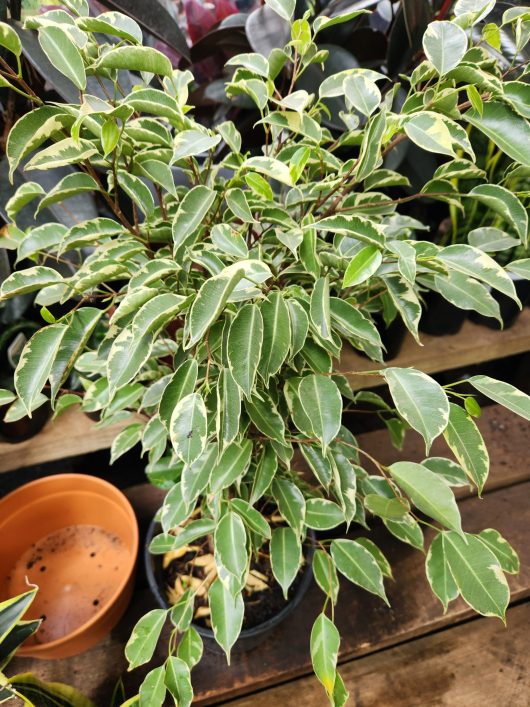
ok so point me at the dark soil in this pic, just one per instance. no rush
(260, 606)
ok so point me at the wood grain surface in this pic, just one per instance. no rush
(473, 344)
(477, 664)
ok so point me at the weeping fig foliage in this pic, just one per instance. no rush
(224, 284)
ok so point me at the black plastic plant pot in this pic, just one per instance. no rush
(392, 337)
(509, 309)
(440, 317)
(26, 427)
(248, 638)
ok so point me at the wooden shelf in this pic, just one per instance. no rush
(70, 435)
(73, 433)
(472, 344)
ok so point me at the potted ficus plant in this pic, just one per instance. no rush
(228, 283)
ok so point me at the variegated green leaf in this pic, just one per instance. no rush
(428, 492)
(276, 335)
(188, 427)
(465, 441)
(477, 574)
(144, 637)
(210, 302)
(358, 565)
(63, 54)
(128, 354)
(29, 280)
(504, 394)
(227, 615)
(420, 400)
(322, 404)
(438, 572)
(191, 213)
(35, 363)
(231, 466)
(245, 340)
(291, 503)
(325, 642)
(286, 557)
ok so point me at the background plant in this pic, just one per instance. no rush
(225, 294)
(14, 630)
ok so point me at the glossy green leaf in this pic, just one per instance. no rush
(210, 302)
(438, 573)
(265, 416)
(325, 574)
(63, 54)
(320, 308)
(420, 400)
(265, 472)
(508, 130)
(152, 691)
(502, 550)
(230, 544)
(188, 427)
(231, 466)
(504, 394)
(190, 648)
(465, 441)
(428, 493)
(286, 557)
(191, 213)
(144, 637)
(322, 514)
(276, 334)
(253, 519)
(245, 340)
(322, 404)
(291, 503)
(506, 204)
(36, 362)
(387, 508)
(178, 681)
(477, 574)
(445, 44)
(128, 354)
(69, 186)
(28, 280)
(182, 383)
(325, 642)
(227, 615)
(228, 408)
(362, 266)
(144, 59)
(358, 565)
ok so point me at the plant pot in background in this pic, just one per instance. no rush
(509, 309)
(392, 336)
(248, 638)
(440, 317)
(76, 538)
(26, 427)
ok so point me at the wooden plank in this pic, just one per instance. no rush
(73, 433)
(70, 435)
(505, 433)
(476, 664)
(366, 624)
(472, 344)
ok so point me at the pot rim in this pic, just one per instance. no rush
(109, 490)
(261, 628)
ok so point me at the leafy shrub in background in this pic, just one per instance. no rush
(229, 289)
